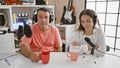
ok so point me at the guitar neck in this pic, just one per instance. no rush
(68, 7)
(72, 7)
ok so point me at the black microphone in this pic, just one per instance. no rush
(27, 31)
(3, 32)
(20, 32)
(91, 44)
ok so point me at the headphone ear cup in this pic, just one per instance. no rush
(35, 18)
(95, 19)
(51, 18)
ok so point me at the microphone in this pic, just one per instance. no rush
(27, 31)
(20, 32)
(91, 44)
(3, 32)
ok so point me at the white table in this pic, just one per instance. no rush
(61, 60)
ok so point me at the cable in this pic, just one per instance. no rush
(108, 53)
(9, 56)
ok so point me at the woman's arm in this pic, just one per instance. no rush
(101, 43)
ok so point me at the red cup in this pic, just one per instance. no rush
(45, 56)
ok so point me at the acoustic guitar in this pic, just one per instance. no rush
(11, 2)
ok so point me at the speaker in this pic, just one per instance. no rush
(51, 18)
(3, 20)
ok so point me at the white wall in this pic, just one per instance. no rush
(78, 4)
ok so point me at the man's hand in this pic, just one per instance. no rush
(34, 57)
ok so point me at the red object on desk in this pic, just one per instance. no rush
(11, 2)
(45, 56)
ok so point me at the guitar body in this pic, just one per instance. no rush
(68, 16)
(62, 18)
(11, 2)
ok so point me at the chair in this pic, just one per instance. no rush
(107, 48)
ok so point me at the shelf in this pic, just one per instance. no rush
(66, 33)
(11, 11)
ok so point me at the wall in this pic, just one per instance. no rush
(78, 4)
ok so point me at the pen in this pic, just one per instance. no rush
(7, 62)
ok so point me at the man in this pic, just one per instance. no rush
(45, 37)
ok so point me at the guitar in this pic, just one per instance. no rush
(62, 18)
(72, 8)
(11, 2)
(68, 16)
(68, 13)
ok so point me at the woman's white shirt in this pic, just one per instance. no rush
(97, 37)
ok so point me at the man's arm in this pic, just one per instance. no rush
(25, 50)
(58, 49)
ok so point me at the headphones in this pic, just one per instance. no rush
(51, 18)
(96, 20)
(94, 16)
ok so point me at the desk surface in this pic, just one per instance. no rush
(61, 60)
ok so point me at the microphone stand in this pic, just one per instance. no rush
(92, 45)
(92, 53)
(18, 35)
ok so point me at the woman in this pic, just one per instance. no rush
(87, 28)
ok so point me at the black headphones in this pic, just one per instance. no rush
(51, 18)
(94, 16)
(96, 20)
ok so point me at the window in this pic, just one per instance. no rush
(108, 12)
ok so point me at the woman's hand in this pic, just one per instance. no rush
(74, 43)
(89, 47)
